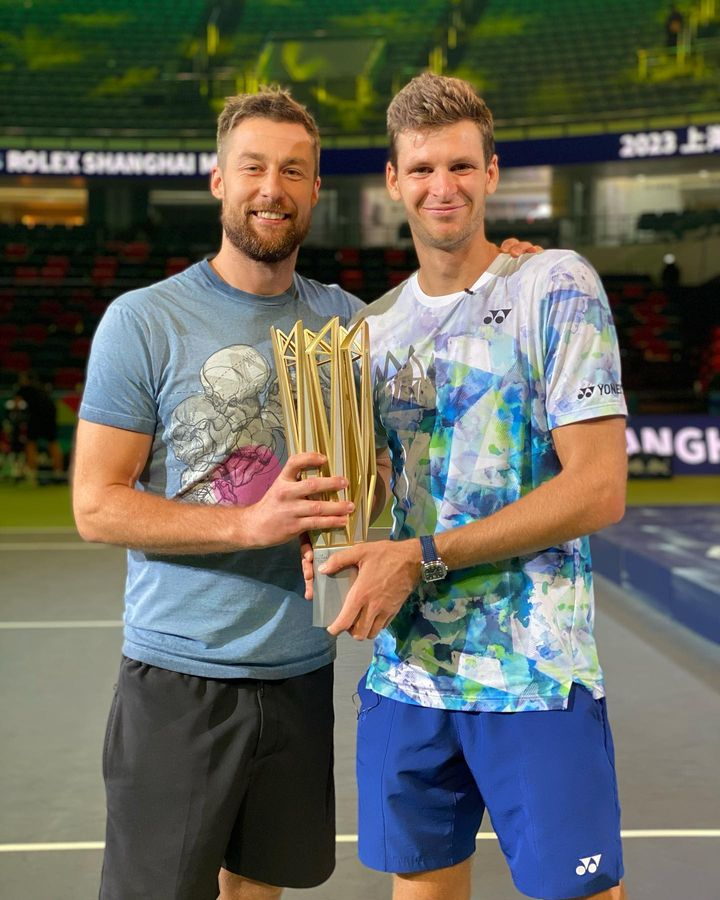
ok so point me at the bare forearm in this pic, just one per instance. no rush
(141, 521)
(560, 510)
(116, 513)
(110, 509)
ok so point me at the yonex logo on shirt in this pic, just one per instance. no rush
(588, 865)
(497, 316)
(613, 389)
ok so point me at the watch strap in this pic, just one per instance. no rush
(429, 550)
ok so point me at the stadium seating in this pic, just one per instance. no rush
(675, 225)
(670, 340)
(135, 70)
(88, 66)
(92, 73)
(589, 72)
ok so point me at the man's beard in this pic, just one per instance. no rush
(242, 235)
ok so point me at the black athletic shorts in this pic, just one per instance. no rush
(203, 773)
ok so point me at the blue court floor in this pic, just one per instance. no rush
(60, 610)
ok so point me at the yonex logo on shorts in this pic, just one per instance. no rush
(497, 316)
(586, 392)
(588, 865)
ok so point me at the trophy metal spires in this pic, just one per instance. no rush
(326, 395)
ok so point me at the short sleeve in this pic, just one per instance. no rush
(119, 386)
(581, 355)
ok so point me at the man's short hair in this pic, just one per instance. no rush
(431, 101)
(268, 103)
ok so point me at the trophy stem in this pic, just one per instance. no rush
(329, 591)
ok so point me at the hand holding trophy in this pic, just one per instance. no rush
(326, 396)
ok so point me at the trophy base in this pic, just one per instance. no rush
(329, 591)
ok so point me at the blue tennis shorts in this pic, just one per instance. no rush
(425, 777)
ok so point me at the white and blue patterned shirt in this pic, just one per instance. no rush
(468, 388)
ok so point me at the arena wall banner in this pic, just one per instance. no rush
(691, 442)
(107, 163)
(694, 140)
(650, 144)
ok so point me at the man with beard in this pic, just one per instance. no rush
(218, 753)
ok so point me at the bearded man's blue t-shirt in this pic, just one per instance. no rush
(189, 362)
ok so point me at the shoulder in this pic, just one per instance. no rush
(537, 265)
(153, 301)
(327, 299)
(551, 272)
(561, 265)
(383, 304)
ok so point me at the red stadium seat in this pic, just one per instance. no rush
(633, 291)
(80, 348)
(395, 257)
(16, 252)
(104, 270)
(8, 333)
(348, 256)
(49, 310)
(352, 279)
(396, 276)
(19, 360)
(35, 332)
(68, 377)
(25, 274)
(135, 251)
(175, 264)
(52, 274)
(69, 322)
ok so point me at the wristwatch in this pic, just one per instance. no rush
(432, 568)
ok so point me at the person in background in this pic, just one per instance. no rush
(674, 24)
(38, 409)
(670, 275)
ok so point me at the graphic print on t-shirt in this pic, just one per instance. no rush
(230, 437)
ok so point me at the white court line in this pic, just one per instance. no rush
(68, 623)
(54, 545)
(40, 848)
(352, 839)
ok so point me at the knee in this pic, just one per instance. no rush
(235, 887)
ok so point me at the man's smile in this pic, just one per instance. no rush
(269, 215)
(443, 210)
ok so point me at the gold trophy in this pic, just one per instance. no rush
(326, 396)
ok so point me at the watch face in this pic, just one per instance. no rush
(434, 571)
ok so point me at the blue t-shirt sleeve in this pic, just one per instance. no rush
(581, 358)
(119, 387)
